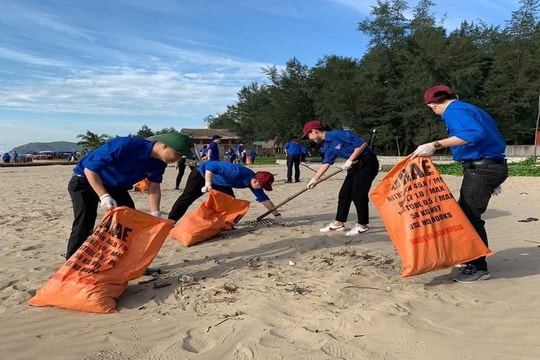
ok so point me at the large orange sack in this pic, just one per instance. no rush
(220, 212)
(423, 220)
(120, 249)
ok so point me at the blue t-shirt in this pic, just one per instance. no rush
(214, 155)
(476, 126)
(293, 149)
(239, 149)
(122, 162)
(340, 143)
(232, 175)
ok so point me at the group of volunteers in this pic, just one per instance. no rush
(106, 174)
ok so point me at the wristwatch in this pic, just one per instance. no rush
(437, 145)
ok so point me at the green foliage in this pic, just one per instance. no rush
(528, 167)
(91, 141)
(495, 68)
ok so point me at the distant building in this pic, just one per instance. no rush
(203, 137)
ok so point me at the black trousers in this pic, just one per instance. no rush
(180, 175)
(476, 188)
(293, 161)
(85, 202)
(192, 192)
(355, 188)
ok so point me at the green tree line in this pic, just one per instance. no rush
(494, 67)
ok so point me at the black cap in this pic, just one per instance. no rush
(216, 137)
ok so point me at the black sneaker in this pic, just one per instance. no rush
(470, 273)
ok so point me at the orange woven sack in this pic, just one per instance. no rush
(120, 249)
(423, 220)
(218, 213)
(142, 185)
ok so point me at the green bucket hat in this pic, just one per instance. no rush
(176, 141)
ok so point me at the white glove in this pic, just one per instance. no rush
(207, 186)
(156, 213)
(280, 221)
(107, 202)
(312, 183)
(497, 191)
(348, 164)
(424, 150)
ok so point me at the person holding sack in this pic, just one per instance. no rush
(361, 165)
(106, 174)
(224, 176)
(475, 141)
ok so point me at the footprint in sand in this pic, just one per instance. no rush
(338, 350)
(198, 342)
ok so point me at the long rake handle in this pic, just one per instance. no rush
(295, 195)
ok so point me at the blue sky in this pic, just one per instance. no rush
(112, 66)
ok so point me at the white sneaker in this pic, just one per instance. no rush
(331, 227)
(356, 230)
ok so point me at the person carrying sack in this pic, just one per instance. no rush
(107, 173)
(475, 141)
(361, 166)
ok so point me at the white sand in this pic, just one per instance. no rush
(271, 292)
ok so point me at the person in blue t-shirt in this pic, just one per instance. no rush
(253, 155)
(475, 141)
(231, 155)
(106, 174)
(213, 149)
(239, 151)
(224, 176)
(305, 152)
(6, 157)
(293, 150)
(361, 166)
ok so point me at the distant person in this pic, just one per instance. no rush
(181, 167)
(231, 155)
(204, 152)
(305, 152)
(223, 176)
(6, 157)
(106, 174)
(239, 151)
(213, 149)
(253, 156)
(15, 156)
(72, 157)
(293, 152)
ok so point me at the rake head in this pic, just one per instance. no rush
(268, 221)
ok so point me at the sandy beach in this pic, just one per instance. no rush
(271, 292)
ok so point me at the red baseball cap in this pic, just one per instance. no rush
(265, 178)
(310, 125)
(436, 93)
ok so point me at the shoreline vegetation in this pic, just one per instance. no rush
(516, 167)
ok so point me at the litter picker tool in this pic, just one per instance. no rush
(295, 195)
(309, 167)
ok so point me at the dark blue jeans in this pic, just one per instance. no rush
(293, 161)
(478, 184)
